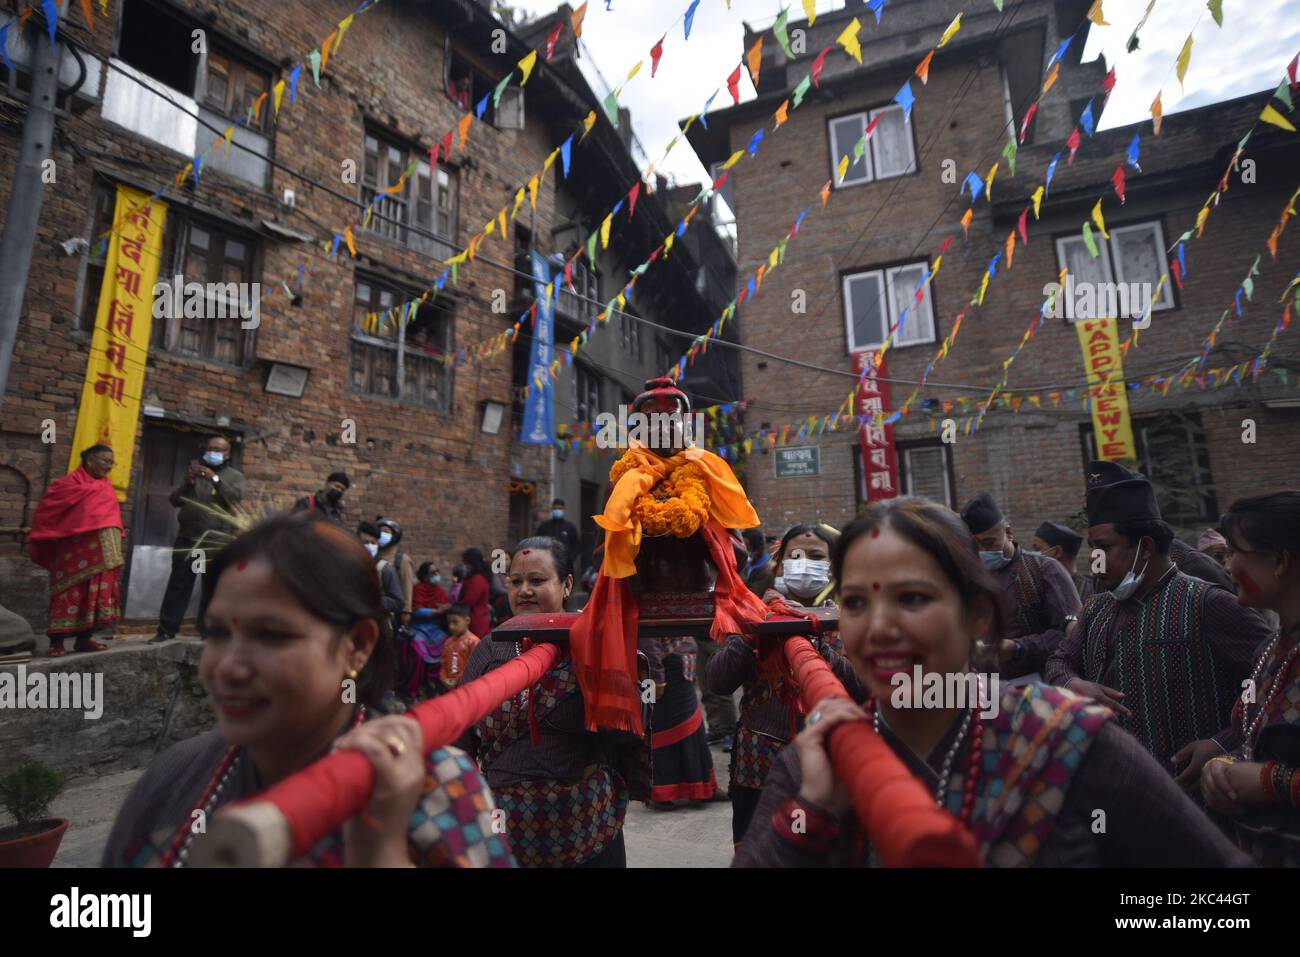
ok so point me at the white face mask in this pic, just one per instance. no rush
(372, 548)
(804, 576)
(1131, 583)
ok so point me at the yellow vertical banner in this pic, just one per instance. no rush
(110, 395)
(1107, 394)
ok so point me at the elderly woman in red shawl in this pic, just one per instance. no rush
(77, 536)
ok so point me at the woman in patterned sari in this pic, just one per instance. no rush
(1047, 779)
(564, 789)
(76, 535)
(1251, 770)
(298, 652)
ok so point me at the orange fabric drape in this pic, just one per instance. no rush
(602, 643)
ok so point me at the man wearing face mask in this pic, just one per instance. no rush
(561, 530)
(392, 585)
(212, 487)
(1165, 651)
(328, 502)
(390, 539)
(1039, 600)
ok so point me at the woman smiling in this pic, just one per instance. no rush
(566, 795)
(298, 650)
(1049, 781)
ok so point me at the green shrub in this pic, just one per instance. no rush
(27, 791)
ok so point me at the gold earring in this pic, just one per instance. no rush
(353, 673)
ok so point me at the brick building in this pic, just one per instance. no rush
(425, 450)
(859, 258)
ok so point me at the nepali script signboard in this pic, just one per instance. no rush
(795, 462)
(1107, 395)
(879, 459)
(110, 395)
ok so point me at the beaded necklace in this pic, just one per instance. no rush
(971, 722)
(1279, 681)
(177, 853)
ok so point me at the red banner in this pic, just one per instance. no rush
(879, 460)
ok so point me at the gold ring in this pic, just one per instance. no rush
(1222, 759)
(396, 745)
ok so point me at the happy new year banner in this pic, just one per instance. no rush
(1111, 426)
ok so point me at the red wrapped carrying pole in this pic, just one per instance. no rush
(282, 823)
(900, 818)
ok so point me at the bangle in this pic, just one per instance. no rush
(1293, 792)
(1266, 779)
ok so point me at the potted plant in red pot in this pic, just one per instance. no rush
(26, 793)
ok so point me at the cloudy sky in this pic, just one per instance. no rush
(1247, 54)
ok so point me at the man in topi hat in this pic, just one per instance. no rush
(1039, 601)
(1062, 543)
(1165, 651)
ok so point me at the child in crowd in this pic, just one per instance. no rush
(460, 643)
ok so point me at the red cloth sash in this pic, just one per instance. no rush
(72, 505)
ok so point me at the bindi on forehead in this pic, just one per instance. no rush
(241, 564)
(875, 586)
(526, 551)
(875, 533)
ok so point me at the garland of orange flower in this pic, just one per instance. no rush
(677, 505)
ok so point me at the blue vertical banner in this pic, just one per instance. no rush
(539, 427)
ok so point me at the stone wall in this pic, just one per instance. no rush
(141, 682)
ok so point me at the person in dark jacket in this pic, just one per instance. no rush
(328, 502)
(212, 489)
(1039, 600)
(563, 531)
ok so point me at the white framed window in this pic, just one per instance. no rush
(890, 150)
(1138, 252)
(1133, 254)
(875, 301)
(926, 472)
(891, 143)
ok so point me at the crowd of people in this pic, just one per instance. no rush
(1146, 708)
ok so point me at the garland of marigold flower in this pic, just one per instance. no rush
(677, 505)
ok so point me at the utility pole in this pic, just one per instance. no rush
(27, 192)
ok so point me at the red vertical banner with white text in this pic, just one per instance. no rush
(879, 460)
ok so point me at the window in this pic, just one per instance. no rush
(233, 87)
(467, 88)
(631, 336)
(396, 358)
(586, 393)
(17, 81)
(925, 471)
(160, 87)
(890, 151)
(203, 251)
(157, 42)
(103, 198)
(1134, 256)
(1172, 453)
(874, 302)
(580, 305)
(423, 214)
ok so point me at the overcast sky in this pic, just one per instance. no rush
(1247, 54)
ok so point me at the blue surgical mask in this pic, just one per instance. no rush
(557, 513)
(1131, 583)
(435, 579)
(214, 458)
(994, 561)
(385, 539)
